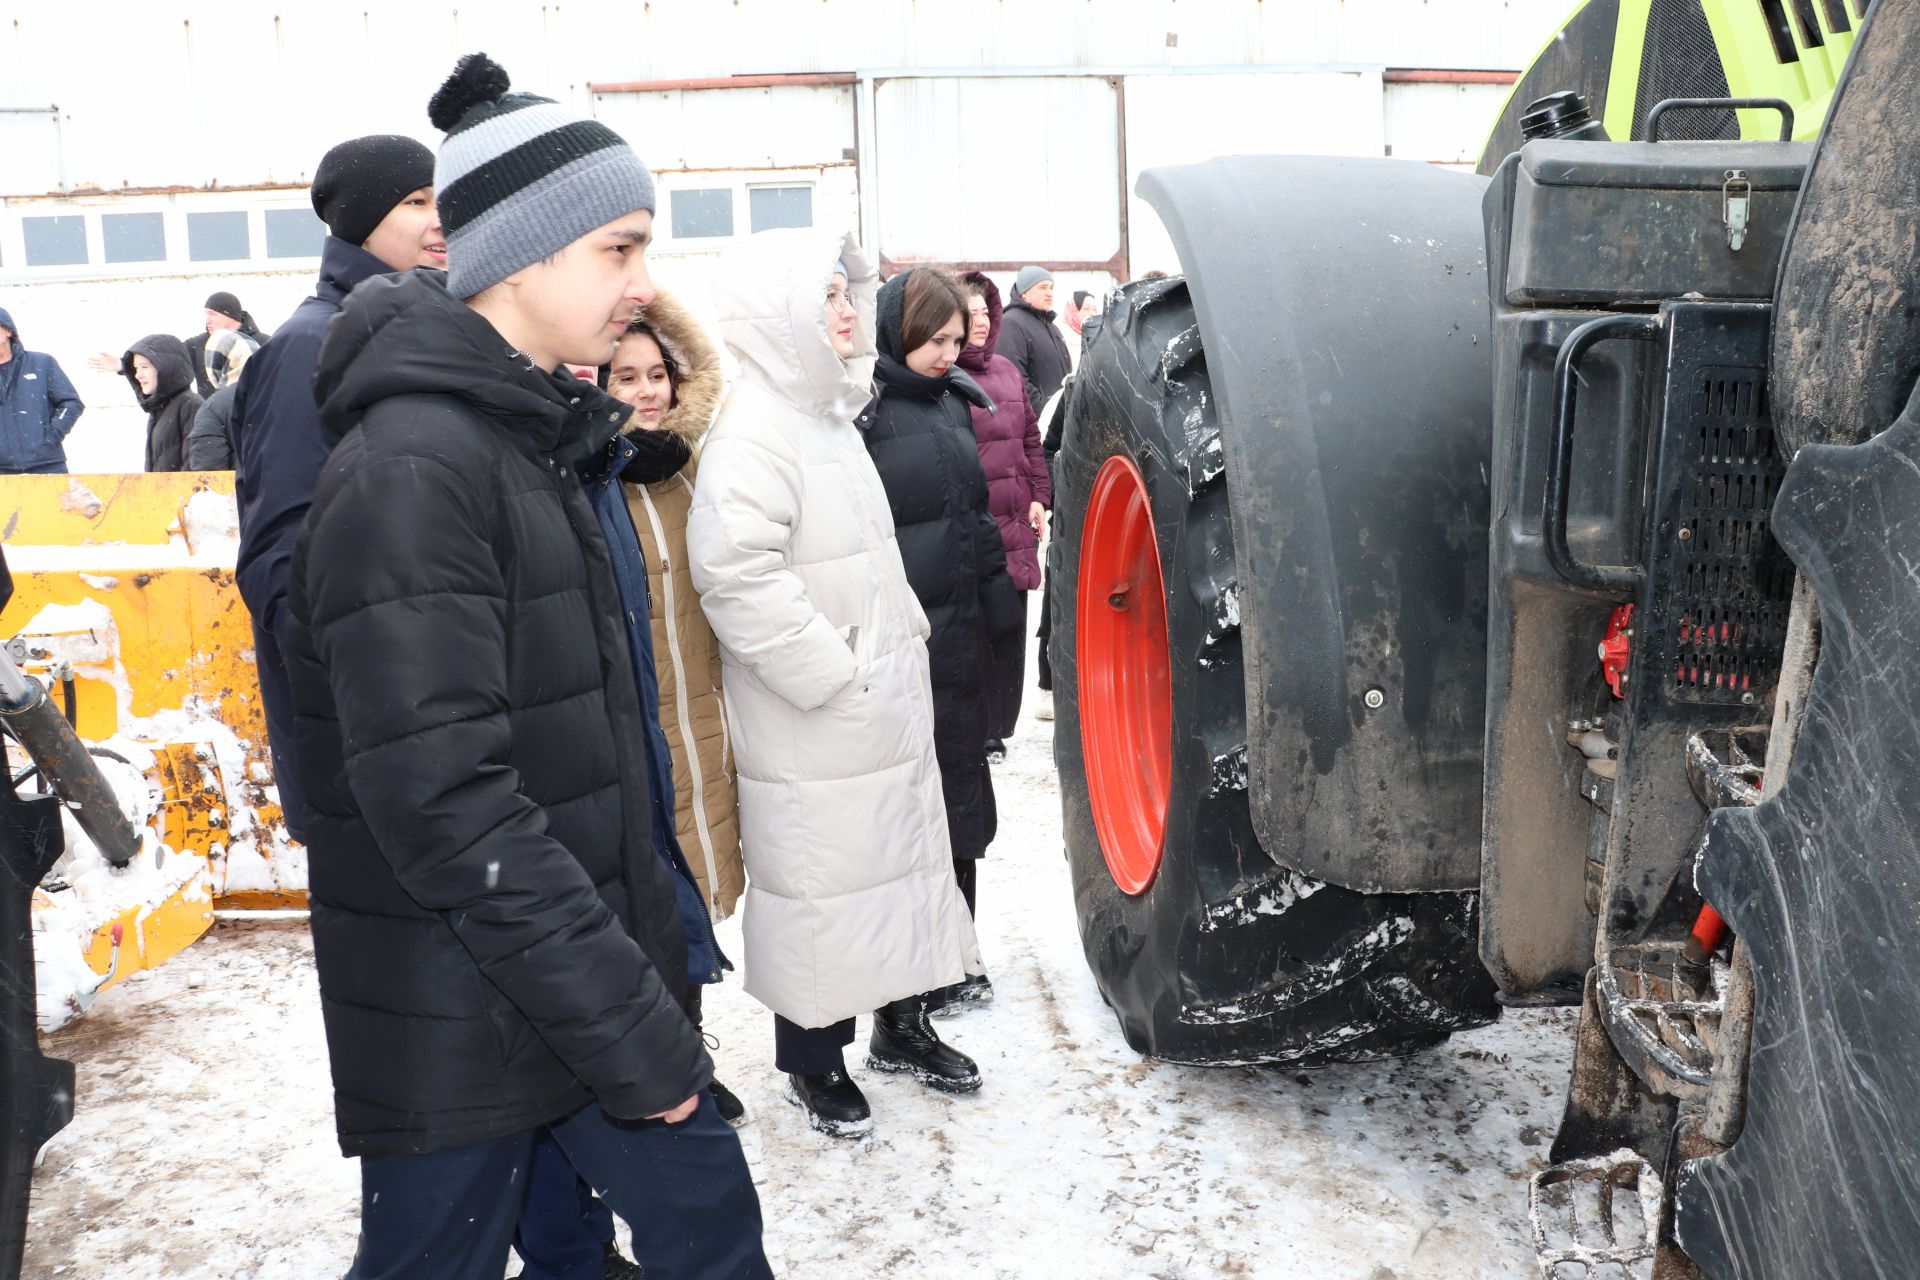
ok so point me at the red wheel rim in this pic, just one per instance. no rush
(1126, 698)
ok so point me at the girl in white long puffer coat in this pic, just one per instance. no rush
(851, 901)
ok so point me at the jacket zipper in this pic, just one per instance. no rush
(681, 714)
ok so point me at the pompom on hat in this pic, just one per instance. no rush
(520, 177)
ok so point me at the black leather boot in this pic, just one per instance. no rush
(962, 996)
(905, 1043)
(834, 1104)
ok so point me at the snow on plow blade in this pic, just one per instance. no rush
(125, 606)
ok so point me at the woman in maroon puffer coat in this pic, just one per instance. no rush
(1019, 488)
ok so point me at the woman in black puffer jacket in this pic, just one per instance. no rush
(919, 433)
(161, 375)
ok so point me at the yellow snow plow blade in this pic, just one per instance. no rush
(125, 601)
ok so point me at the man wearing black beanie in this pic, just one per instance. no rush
(376, 196)
(222, 311)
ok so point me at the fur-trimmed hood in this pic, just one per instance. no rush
(697, 391)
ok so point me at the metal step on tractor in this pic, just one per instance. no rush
(1490, 590)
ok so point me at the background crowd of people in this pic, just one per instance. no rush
(569, 646)
(186, 388)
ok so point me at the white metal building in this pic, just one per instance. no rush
(151, 152)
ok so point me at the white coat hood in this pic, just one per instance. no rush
(770, 294)
(851, 899)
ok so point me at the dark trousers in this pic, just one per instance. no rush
(1006, 676)
(967, 872)
(564, 1228)
(276, 697)
(810, 1051)
(683, 1188)
(1046, 634)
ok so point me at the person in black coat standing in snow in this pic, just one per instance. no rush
(500, 956)
(919, 432)
(376, 196)
(161, 375)
(1030, 338)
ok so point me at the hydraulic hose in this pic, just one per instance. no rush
(43, 732)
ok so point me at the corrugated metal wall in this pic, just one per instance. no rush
(1042, 164)
(1184, 119)
(763, 127)
(159, 93)
(962, 130)
(1441, 123)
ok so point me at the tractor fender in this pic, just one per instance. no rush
(1342, 305)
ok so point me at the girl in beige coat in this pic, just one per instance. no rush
(851, 901)
(668, 370)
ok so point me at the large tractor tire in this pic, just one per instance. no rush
(1821, 881)
(1207, 949)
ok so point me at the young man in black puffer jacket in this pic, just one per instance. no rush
(500, 956)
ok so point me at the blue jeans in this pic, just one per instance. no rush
(684, 1189)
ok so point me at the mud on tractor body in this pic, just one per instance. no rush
(139, 791)
(1482, 590)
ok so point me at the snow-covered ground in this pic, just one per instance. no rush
(202, 1148)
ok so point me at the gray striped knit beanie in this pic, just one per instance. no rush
(521, 177)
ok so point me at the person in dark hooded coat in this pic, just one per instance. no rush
(1019, 486)
(161, 375)
(38, 406)
(919, 432)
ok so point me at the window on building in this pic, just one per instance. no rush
(294, 233)
(701, 213)
(134, 237)
(770, 207)
(55, 241)
(218, 237)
